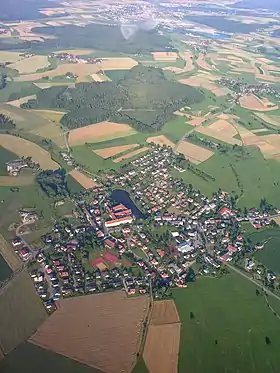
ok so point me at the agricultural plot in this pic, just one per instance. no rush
(203, 64)
(8, 254)
(11, 57)
(25, 148)
(217, 336)
(187, 57)
(21, 100)
(207, 82)
(251, 102)
(31, 64)
(165, 56)
(268, 118)
(221, 130)
(163, 339)
(12, 181)
(65, 329)
(85, 181)
(5, 272)
(99, 132)
(161, 140)
(114, 150)
(131, 154)
(21, 312)
(194, 153)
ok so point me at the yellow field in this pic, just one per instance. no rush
(51, 84)
(77, 52)
(223, 126)
(25, 148)
(114, 150)
(165, 56)
(161, 140)
(98, 132)
(82, 70)
(82, 179)
(203, 64)
(13, 181)
(189, 66)
(131, 154)
(51, 131)
(30, 64)
(10, 56)
(100, 78)
(194, 153)
(22, 100)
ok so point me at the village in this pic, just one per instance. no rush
(150, 243)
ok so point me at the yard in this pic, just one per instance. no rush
(228, 328)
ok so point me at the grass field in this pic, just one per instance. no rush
(176, 128)
(42, 360)
(270, 255)
(5, 156)
(227, 311)
(5, 270)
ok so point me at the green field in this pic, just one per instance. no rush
(228, 331)
(5, 156)
(5, 270)
(270, 255)
(175, 128)
(256, 185)
(30, 358)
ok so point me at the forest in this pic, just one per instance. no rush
(6, 123)
(143, 98)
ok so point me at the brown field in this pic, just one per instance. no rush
(252, 102)
(165, 56)
(114, 150)
(21, 312)
(205, 82)
(82, 179)
(105, 336)
(83, 70)
(203, 64)
(194, 153)
(223, 126)
(10, 57)
(131, 154)
(16, 181)
(25, 148)
(163, 339)
(25, 31)
(218, 135)
(30, 64)
(161, 140)
(196, 121)
(77, 52)
(164, 312)
(99, 132)
(22, 100)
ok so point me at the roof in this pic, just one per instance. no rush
(225, 210)
(115, 221)
(110, 257)
(97, 261)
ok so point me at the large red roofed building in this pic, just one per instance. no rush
(110, 257)
(226, 212)
(117, 222)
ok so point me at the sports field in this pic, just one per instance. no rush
(228, 329)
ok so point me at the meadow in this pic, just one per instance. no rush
(5, 270)
(5, 156)
(228, 330)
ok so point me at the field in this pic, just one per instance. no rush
(228, 328)
(161, 140)
(251, 102)
(10, 56)
(131, 154)
(19, 180)
(25, 148)
(163, 339)
(5, 270)
(30, 64)
(194, 153)
(205, 81)
(21, 312)
(93, 337)
(270, 254)
(8, 255)
(82, 179)
(114, 150)
(99, 132)
(165, 56)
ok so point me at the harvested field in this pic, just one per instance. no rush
(48, 85)
(10, 56)
(189, 66)
(22, 100)
(218, 135)
(203, 64)
(77, 52)
(25, 148)
(194, 153)
(16, 181)
(99, 78)
(82, 179)
(51, 115)
(21, 312)
(94, 339)
(205, 82)
(131, 154)
(165, 56)
(164, 312)
(161, 140)
(114, 150)
(99, 132)
(8, 254)
(30, 64)
(252, 102)
(83, 70)
(223, 126)
(197, 121)
(163, 339)
(51, 131)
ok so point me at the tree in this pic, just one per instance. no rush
(191, 315)
(267, 340)
(257, 292)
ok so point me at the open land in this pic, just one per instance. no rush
(16, 180)
(206, 82)
(240, 336)
(194, 153)
(131, 154)
(30, 64)
(25, 148)
(165, 56)
(99, 132)
(85, 181)
(163, 338)
(114, 150)
(251, 102)
(161, 140)
(8, 255)
(21, 312)
(64, 330)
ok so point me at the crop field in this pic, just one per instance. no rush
(271, 119)
(14, 181)
(207, 82)
(85, 181)
(110, 316)
(99, 132)
(5, 271)
(203, 64)
(25, 148)
(21, 100)
(82, 70)
(131, 154)
(10, 56)
(270, 254)
(21, 312)
(114, 150)
(30, 64)
(77, 52)
(51, 131)
(217, 336)
(9, 256)
(99, 77)
(163, 339)
(165, 56)
(251, 102)
(217, 133)
(161, 140)
(194, 153)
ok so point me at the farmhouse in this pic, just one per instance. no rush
(14, 167)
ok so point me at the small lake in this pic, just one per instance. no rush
(5, 270)
(122, 196)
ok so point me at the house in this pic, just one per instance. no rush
(226, 212)
(184, 247)
(16, 242)
(25, 254)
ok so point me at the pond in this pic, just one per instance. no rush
(122, 196)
